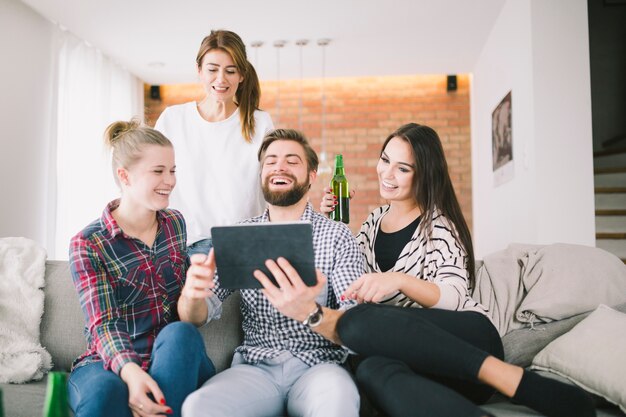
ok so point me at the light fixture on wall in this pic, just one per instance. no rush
(324, 166)
(278, 45)
(155, 92)
(301, 43)
(451, 83)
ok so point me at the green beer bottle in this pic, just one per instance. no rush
(56, 396)
(1, 405)
(339, 185)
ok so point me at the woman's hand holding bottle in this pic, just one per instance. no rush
(329, 201)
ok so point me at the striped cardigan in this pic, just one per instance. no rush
(434, 255)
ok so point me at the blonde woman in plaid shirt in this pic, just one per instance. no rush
(128, 268)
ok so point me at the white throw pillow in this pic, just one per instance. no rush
(591, 355)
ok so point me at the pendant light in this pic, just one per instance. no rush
(278, 45)
(324, 166)
(301, 43)
(256, 45)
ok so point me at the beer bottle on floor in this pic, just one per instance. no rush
(1, 405)
(56, 396)
(339, 185)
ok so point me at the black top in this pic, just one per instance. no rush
(388, 246)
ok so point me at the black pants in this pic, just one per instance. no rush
(421, 362)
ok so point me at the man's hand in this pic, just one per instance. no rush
(292, 297)
(140, 384)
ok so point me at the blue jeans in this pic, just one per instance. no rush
(179, 366)
(202, 246)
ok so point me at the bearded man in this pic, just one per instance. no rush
(283, 367)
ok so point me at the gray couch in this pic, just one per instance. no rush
(62, 336)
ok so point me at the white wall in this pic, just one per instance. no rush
(25, 86)
(539, 50)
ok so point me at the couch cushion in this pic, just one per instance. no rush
(521, 346)
(62, 323)
(222, 336)
(562, 280)
(24, 400)
(502, 407)
(592, 355)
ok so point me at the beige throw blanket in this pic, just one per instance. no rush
(527, 284)
(22, 269)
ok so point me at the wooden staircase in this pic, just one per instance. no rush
(610, 194)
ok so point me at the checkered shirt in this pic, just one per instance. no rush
(128, 291)
(268, 333)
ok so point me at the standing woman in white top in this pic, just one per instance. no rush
(217, 140)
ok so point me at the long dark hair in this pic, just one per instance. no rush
(432, 186)
(248, 93)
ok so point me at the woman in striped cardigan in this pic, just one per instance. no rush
(444, 356)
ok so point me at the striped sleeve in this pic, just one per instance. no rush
(367, 235)
(448, 260)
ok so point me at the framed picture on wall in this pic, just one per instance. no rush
(502, 141)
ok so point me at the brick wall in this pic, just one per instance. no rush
(360, 113)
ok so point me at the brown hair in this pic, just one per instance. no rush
(127, 139)
(432, 186)
(249, 92)
(294, 135)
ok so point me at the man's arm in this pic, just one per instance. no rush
(197, 301)
(328, 325)
(294, 299)
(348, 266)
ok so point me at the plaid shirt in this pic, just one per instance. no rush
(267, 333)
(127, 290)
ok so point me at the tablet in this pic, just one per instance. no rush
(243, 248)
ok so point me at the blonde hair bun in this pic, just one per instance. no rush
(127, 141)
(116, 130)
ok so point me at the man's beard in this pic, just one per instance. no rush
(285, 198)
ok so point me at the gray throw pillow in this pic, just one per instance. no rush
(521, 346)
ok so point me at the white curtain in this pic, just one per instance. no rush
(93, 91)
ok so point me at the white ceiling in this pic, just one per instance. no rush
(369, 37)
